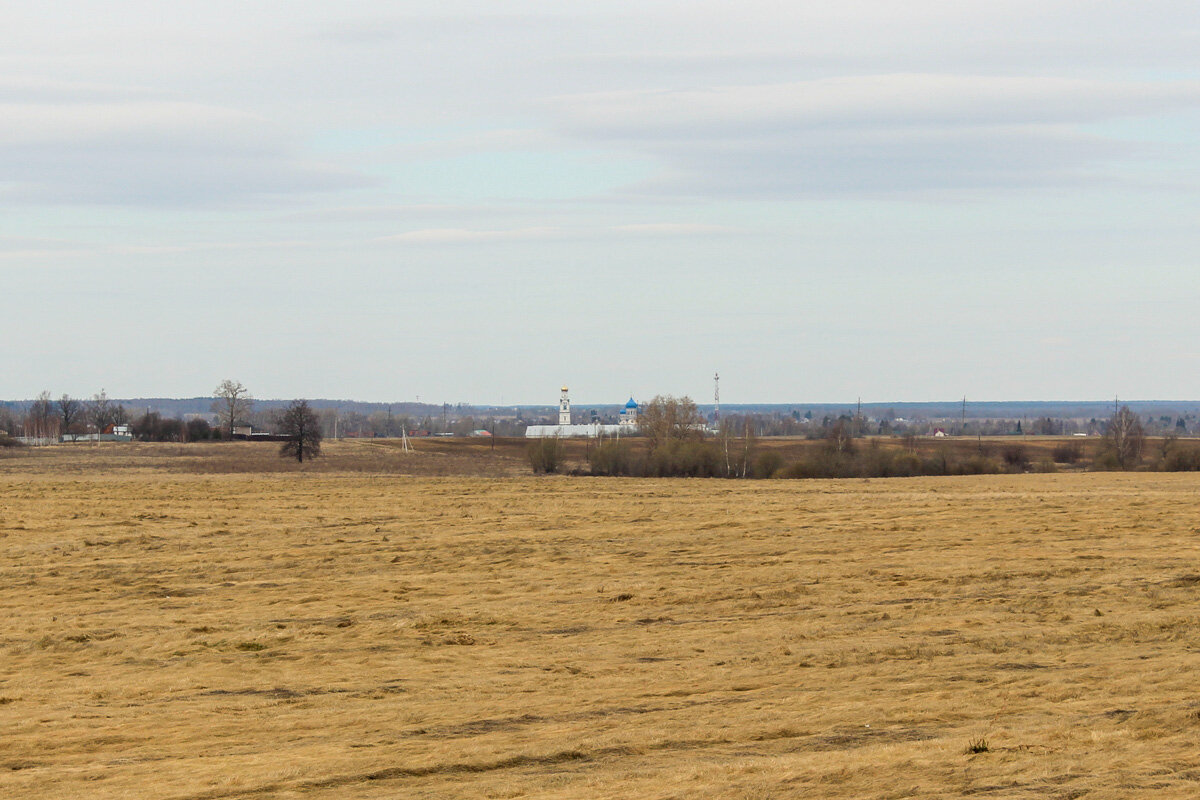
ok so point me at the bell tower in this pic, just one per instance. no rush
(564, 408)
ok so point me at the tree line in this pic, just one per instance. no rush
(676, 442)
(48, 420)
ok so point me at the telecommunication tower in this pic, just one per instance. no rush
(717, 399)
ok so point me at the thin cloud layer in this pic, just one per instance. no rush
(81, 143)
(875, 133)
(462, 235)
(552, 234)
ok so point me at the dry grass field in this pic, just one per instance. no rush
(175, 627)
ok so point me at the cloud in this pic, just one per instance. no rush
(30, 89)
(900, 99)
(875, 133)
(92, 144)
(671, 229)
(463, 235)
(542, 234)
(398, 212)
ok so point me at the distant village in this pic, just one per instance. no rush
(51, 420)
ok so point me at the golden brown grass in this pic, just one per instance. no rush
(462, 457)
(333, 633)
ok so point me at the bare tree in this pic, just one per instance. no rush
(1125, 438)
(41, 417)
(841, 435)
(666, 419)
(102, 412)
(232, 403)
(303, 431)
(8, 421)
(69, 411)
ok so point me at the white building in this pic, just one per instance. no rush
(564, 408)
(564, 428)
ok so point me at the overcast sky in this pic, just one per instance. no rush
(479, 203)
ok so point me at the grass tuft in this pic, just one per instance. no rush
(979, 745)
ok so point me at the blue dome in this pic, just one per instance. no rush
(631, 404)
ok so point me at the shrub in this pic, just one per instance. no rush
(767, 464)
(153, 427)
(199, 429)
(1015, 457)
(545, 455)
(1181, 459)
(825, 462)
(1068, 452)
(977, 465)
(938, 464)
(875, 462)
(684, 459)
(906, 465)
(613, 458)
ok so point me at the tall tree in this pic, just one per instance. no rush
(102, 412)
(232, 402)
(303, 431)
(666, 419)
(69, 411)
(41, 417)
(1125, 438)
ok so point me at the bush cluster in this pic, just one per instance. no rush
(709, 459)
(545, 455)
(614, 459)
(1181, 459)
(1067, 452)
(673, 459)
(153, 427)
(879, 462)
(836, 458)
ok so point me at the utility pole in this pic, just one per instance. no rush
(964, 415)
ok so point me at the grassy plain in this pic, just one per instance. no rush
(176, 627)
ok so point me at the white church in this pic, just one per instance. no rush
(626, 425)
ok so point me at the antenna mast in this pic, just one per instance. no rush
(717, 398)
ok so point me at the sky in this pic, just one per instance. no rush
(484, 201)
